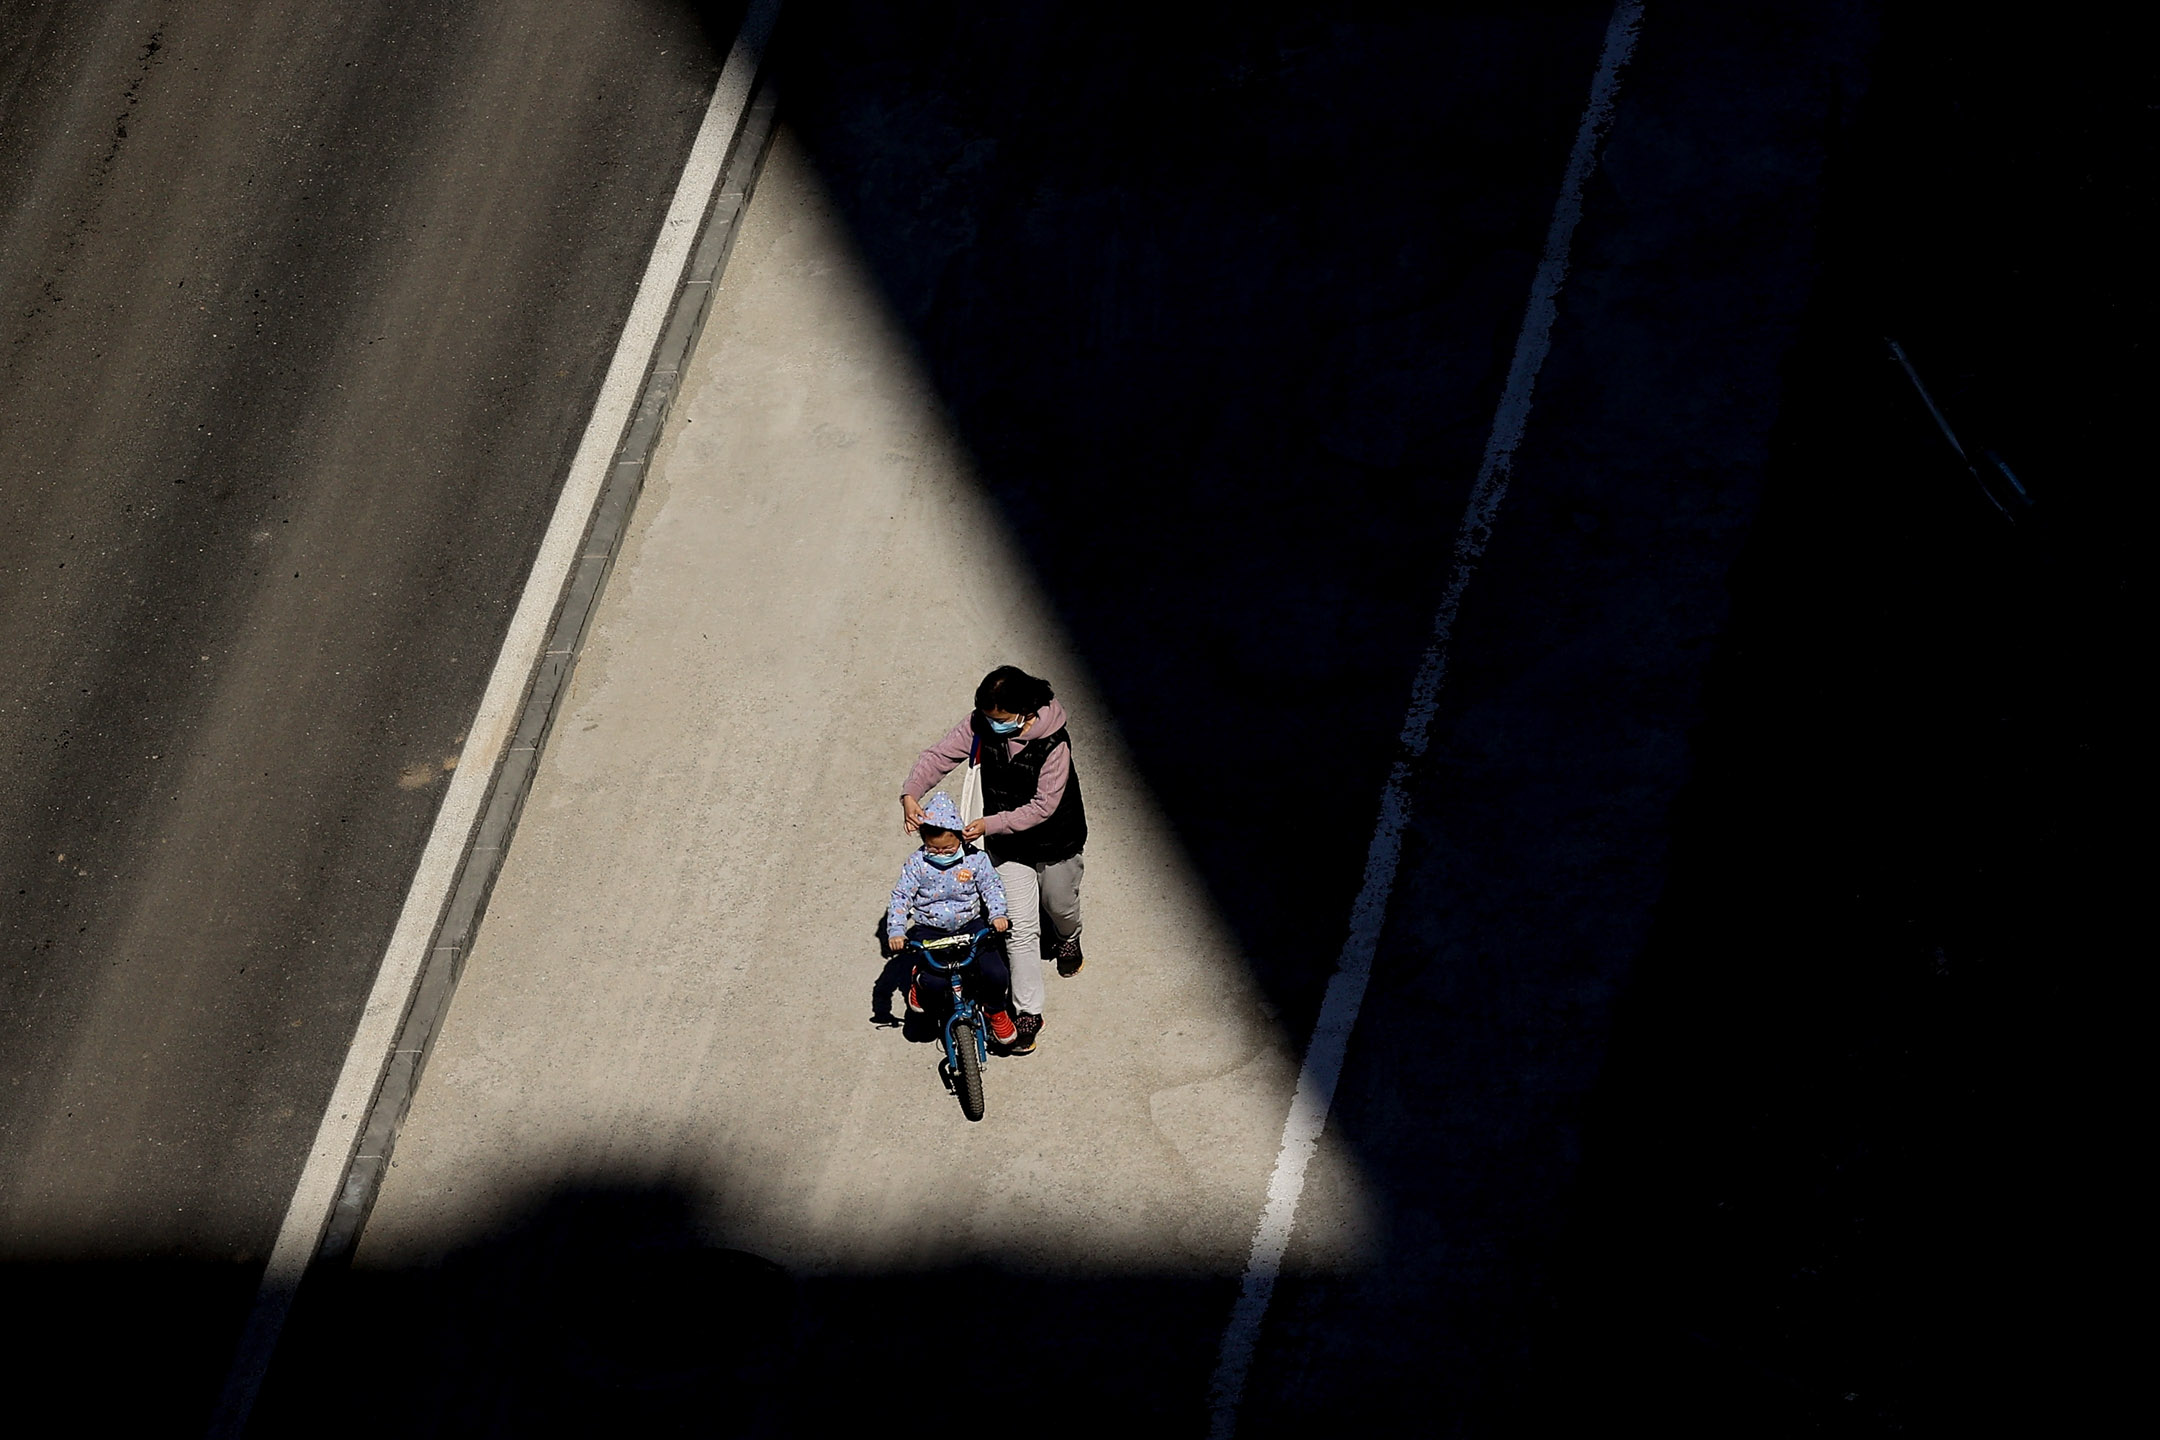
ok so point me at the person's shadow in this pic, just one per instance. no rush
(893, 980)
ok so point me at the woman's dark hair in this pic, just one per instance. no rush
(1011, 688)
(930, 832)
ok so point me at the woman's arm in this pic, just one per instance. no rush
(935, 763)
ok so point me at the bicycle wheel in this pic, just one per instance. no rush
(970, 1076)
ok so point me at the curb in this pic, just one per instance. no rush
(505, 798)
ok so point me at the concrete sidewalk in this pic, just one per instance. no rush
(673, 986)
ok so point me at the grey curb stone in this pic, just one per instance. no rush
(581, 596)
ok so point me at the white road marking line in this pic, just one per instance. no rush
(1317, 1077)
(370, 1052)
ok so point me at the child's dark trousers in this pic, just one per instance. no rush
(988, 980)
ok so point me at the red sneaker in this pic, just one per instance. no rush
(1001, 1028)
(913, 1003)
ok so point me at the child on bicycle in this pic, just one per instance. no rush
(946, 888)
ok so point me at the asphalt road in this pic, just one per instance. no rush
(1856, 1164)
(304, 309)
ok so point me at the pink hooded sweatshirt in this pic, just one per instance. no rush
(942, 758)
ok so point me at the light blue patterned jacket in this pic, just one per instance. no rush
(948, 899)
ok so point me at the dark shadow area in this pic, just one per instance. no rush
(1857, 1164)
(1221, 301)
(1220, 298)
(610, 1310)
(889, 990)
(122, 1345)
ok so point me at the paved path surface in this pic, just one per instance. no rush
(662, 1169)
(304, 308)
(674, 989)
(709, 846)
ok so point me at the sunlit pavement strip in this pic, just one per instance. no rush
(1306, 1123)
(673, 984)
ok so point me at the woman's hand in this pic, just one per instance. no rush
(910, 815)
(896, 943)
(973, 831)
(1001, 924)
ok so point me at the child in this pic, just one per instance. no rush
(945, 888)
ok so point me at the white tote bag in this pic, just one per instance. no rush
(971, 789)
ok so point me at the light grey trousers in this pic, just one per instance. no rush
(1034, 893)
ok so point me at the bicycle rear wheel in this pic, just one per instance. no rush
(969, 1080)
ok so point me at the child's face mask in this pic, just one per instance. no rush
(944, 862)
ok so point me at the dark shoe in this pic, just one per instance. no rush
(1002, 1028)
(1028, 1027)
(1069, 957)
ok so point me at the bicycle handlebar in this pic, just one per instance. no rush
(972, 940)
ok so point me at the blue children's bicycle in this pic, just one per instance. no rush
(966, 1049)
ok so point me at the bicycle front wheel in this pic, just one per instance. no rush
(970, 1077)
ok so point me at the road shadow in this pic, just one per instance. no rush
(1219, 300)
(609, 1308)
(1856, 1166)
(121, 1344)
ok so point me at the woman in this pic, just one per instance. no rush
(1033, 823)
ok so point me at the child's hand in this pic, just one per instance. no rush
(896, 943)
(1001, 924)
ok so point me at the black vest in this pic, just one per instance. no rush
(1008, 783)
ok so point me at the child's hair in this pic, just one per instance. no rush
(931, 832)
